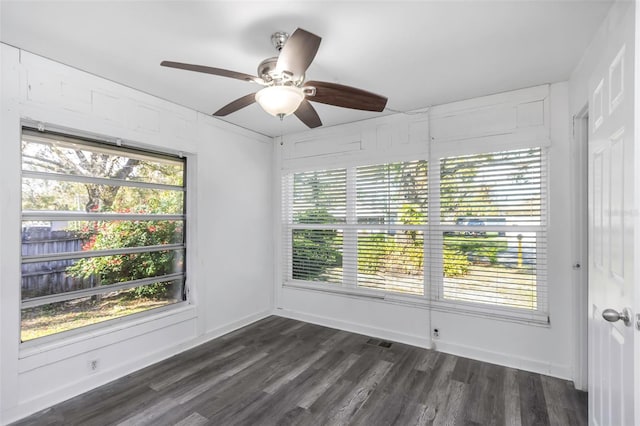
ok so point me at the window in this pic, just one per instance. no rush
(493, 230)
(391, 214)
(361, 227)
(103, 232)
(468, 234)
(318, 216)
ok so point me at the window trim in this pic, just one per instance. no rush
(182, 311)
(423, 302)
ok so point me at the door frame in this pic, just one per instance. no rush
(580, 249)
(636, 128)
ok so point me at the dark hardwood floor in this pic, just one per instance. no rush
(281, 371)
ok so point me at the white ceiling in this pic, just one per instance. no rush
(416, 53)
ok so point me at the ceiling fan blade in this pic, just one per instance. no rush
(236, 105)
(346, 96)
(308, 115)
(211, 70)
(298, 52)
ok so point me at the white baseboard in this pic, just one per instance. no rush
(229, 327)
(380, 333)
(506, 360)
(58, 395)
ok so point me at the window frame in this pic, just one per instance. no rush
(433, 236)
(93, 141)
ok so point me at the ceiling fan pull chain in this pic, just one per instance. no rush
(281, 132)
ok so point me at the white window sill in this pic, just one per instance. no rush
(459, 308)
(134, 325)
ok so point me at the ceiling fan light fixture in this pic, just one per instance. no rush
(287, 92)
(280, 101)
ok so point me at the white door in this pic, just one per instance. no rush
(611, 226)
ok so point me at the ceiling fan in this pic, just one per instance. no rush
(285, 89)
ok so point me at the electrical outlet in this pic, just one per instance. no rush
(436, 333)
(92, 365)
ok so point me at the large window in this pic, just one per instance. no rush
(492, 233)
(469, 231)
(358, 227)
(103, 232)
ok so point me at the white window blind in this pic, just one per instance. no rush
(315, 219)
(473, 237)
(391, 214)
(358, 227)
(492, 234)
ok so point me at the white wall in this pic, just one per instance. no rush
(546, 350)
(229, 199)
(513, 119)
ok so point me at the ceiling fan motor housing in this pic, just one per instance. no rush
(267, 72)
(266, 69)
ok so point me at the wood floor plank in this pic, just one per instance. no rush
(512, 410)
(329, 378)
(255, 379)
(195, 419)
(335, 339)
(465, 371)
(277, 405)
(231, 413)
(482, 405)
(436, 398)
(563, 402)
(343, 412)
(151, 414)
(452, 410)
(386, 409)
(280, 371)
(205, 386)
(333, 396)
(292, 328)
(193, 368)
(112, 408)
(428, 377)
(295, 371)
(296, 417)
(533, 406)
(427, 360)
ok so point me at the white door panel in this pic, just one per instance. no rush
(612, 223)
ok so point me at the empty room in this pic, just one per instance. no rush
(319, 213)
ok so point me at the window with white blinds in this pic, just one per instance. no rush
(357, 227)
(492, 233)
(390, 217)
(318, 204)
(472, 236)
